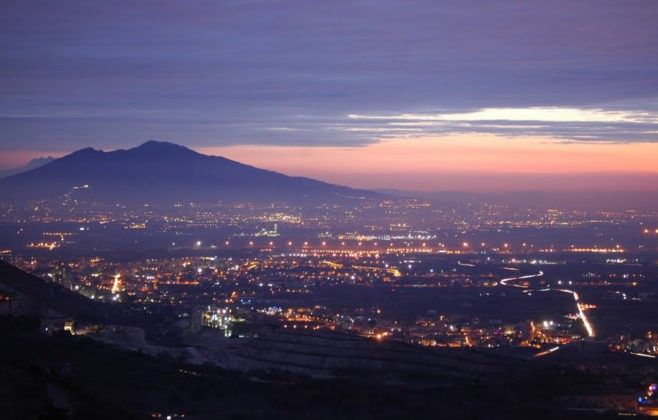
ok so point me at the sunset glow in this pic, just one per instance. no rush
(468, 162)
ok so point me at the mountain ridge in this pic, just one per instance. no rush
(163, 172)
(32, 164)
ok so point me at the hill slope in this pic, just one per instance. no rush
(52, 296)
(34, 163)
(159, 172)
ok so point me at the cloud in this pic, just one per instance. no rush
(573, 124)
(547, 114)
(109, 74)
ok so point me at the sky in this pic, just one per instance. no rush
(419, 95)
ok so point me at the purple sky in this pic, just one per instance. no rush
(112, 74)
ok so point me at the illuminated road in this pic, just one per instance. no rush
(581, 308)
(649, 356)
(549, 351)
(116, 285)
(505, 282)
(581, 311)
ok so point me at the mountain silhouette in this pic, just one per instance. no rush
(32, 164)
(160, 172)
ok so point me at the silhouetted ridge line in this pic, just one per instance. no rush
(163, 173)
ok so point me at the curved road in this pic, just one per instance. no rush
(581, 312)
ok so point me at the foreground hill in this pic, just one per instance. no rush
(63, 376)
(58, 375)
(42, 296)
(159, 172)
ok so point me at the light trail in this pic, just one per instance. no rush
(581, 308)
(650, 356)
(461, 264)
(505, 282)
(581, 311)
(116, 286)
(549, 351)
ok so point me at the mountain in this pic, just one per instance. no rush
(162, 173)
(33, 164)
